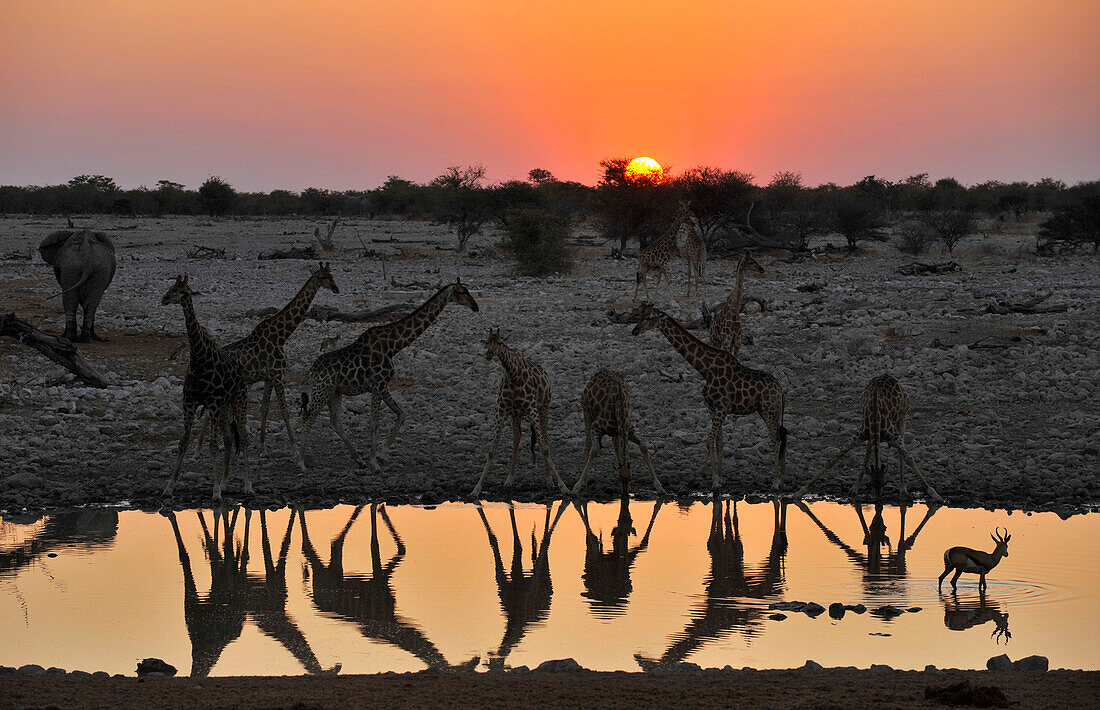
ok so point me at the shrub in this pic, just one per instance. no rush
(952, 226)
(856, 220)
(217, 196)
(537, 238)
(913, 238)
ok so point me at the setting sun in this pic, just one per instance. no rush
(643, 167)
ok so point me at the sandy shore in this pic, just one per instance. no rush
(1004, 407)
(761, 689)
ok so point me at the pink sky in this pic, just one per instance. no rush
(341, 94)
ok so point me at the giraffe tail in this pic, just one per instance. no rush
(781, 432)
(305, 406)
(534, 446)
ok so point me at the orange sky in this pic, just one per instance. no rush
(341, 94)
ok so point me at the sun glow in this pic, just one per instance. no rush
(643, 168)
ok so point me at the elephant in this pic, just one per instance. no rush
(84, 263)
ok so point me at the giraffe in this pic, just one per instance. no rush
(216, 619)
(366, 599)
(695, 249)
(366, 365)
(655, 256)
(260, 353)
(215, 382)
(524, 394)
(605, 404)
(606, 575)
(731, 388)
(725, 327)
(729, 582)
(883, 407)
(524, 598)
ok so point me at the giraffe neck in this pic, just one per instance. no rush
(698, 354)
(666, 242)
(398, 335)
(279, 327)
(511, 361)
(733, 301)
(202, 345)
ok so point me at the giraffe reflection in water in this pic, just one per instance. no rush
(216, 620)
(728, 580)
(966, 615)
(882, 575)
(607, 573)
(524, 598)
(368, 601)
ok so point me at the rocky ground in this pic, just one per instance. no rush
(1004, 407)
(831, 688)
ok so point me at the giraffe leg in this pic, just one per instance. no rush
(648, 462)
(396, 409)
(492, 454)
(542, 421)
(375, 413)
(265, 406)
(619, 441)
(338, 427)
(589, 454)
(240, 417)
(771, 421)
(637, 281)
(913, 465)
(854, 491)
(280, 397)
(832, 462)
(188, 420)
(517, 436)
(714, 444)
(202, 433)
(227, 441)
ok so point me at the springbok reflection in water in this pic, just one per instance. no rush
(217, 619)
(719, 614)
(524, 598)
(966, 615)
(882, 574)
(368, 601)
(607, 573)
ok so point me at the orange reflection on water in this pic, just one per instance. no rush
(370, 589)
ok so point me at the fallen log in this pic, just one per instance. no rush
(306, 252)
(1031, 307)
(198, 251)
(701, 323)
(918, 268)
(60, 350)
(324, 314)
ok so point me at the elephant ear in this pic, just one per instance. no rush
(51, 246)
(104, 240)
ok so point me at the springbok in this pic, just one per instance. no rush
(964, 559)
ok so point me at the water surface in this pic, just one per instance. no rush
(615, 586)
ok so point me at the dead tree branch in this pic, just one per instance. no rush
(307, 252)
(918, 268)
(199, 251)
(1032, 306)
(60, 350)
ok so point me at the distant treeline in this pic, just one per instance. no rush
(732, 207)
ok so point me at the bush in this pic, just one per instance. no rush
(913, 238)
(952, 226)
(856, 220)
(217, 196)
(537, 238)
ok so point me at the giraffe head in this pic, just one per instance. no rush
(493, 344)
(178, 291)
(461, 295)
(749, 263)
(651, 316)
(324, 277)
